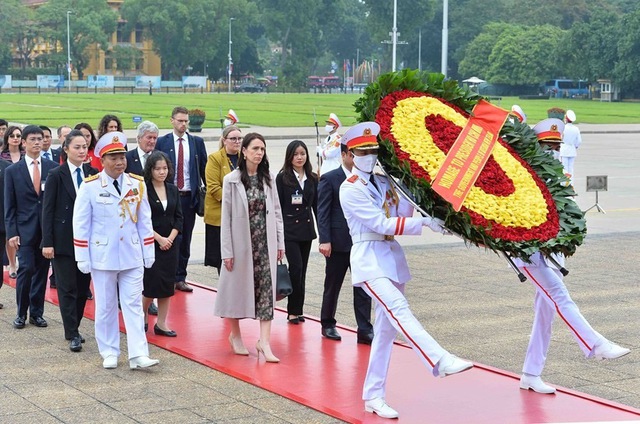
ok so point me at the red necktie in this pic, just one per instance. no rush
(180, 165)
(36, 176)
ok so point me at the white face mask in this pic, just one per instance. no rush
(365, 163)
(328, 128)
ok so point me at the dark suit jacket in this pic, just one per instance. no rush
(332, 226)
(298, 219)
(134, 165)
(23, 207)
(57, 209)
(165, 220)
(197, 161)
(3, 166)
(55, 154)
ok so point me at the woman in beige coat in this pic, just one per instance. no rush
(251, 231)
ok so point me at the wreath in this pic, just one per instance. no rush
(521, 202)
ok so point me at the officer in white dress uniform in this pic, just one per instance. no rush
(571, 140)
(375, 214)
(113, 239)
(552, 296)
(329, 149)
(230, 119)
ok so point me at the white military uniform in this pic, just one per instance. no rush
(329, 151)
(114, 233)
(379, 266)
(552, 296)
(571, 140)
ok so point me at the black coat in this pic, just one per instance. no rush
(298, 219)
(3, 166)
(165, 220)
(332, 226)
(57, 210)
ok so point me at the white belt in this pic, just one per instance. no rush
(358, 238)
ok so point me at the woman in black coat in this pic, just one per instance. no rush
(166, 215)
(298, 193)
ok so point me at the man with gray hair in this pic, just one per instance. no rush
(147, 137)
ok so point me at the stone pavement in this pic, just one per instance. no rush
(468, 299)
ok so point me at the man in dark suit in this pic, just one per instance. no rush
(47, 152)
(23, 195)
(61, 188)
(335, 245)
(189, 158)
(147, 138)
(3, 232)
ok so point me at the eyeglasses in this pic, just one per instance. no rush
(234, 139)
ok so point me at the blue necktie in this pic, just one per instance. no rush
(47, 155)
(78, 176)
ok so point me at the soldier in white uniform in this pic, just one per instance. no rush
(329, 149)
(552, 296)
(113, 239)
(571, 140)
(375, 213)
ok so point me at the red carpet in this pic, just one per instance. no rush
(327, 375)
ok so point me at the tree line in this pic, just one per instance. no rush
(503, 41)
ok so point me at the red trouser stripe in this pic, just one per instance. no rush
(404, 332)
(557, 309)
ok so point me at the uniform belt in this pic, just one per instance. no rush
(184, 193)
(358, 238)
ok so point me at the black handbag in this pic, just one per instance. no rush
(202, 191)
(283, 282)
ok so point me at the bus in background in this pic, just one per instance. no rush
(566, 88)
(331, 82)
(314, 82)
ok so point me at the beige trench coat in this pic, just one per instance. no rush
(235, 297)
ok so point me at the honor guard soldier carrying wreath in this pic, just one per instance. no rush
(375, 214)
(113, 239)
(329, 149)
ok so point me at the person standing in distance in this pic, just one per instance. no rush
(113, 240)
(571, 140)
(189, 156)
(335, 246)
(375, 215)
(329, 149)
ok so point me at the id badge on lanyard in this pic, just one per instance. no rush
(296, 199)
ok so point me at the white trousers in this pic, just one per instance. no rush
(105, 285)
(392, 316)
(552, 296)
(567, 164)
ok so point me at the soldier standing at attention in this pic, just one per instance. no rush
(113, 239)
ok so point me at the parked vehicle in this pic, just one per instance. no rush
(247, 87)
(566, 88)
(331, 82)
(314, 82)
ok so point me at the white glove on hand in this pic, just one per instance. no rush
(84, 267)
(148, 262)
(318, 151)
(435, 224)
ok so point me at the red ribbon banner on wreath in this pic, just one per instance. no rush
(469, 153)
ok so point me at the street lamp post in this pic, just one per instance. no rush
(69, 12)
(230, 61)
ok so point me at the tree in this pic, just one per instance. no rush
(19, 30)
(92, 23)
(628, 61)
(476, 59)
(126, 57)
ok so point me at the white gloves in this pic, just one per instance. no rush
(319, 151)
(435, 224)
(84, 267)
(148, 262)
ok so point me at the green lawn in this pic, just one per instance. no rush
(272, 110)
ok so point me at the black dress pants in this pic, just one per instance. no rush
(72, 293)
(298, 257)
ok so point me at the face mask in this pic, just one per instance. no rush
(365, 163)
(227, 122)
(328, 128)
(556, 154)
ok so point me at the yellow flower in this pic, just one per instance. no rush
(525, 207)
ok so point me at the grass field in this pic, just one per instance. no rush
(271, 110)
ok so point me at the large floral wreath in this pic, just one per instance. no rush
(521, 202)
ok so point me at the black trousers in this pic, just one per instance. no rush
(298, 257)
(184, 238)
(335, 270)
(72, 293)
(31, 283)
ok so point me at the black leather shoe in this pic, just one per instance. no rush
(76, 344)
(89, 295)
(20, 322)
(331, 333)
(81, 338)
(38, 321)
(182, 286)
(295, 320)
(160, 332)
(365, 338)
(301, 318)
(153, 309)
